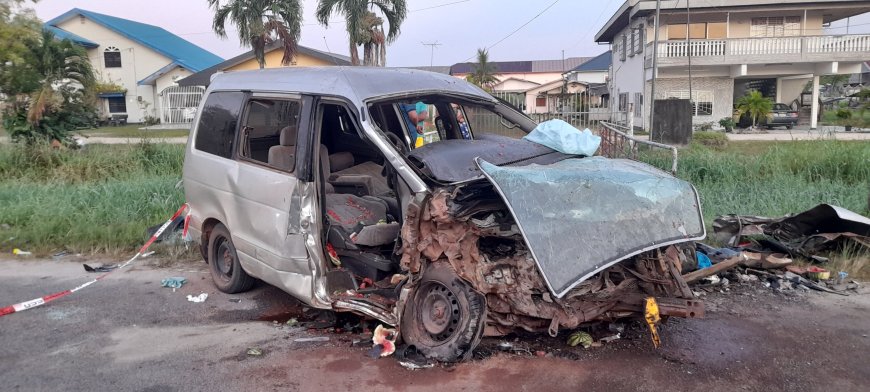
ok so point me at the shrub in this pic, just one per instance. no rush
(717, 140)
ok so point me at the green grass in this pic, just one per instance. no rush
(829, 117)
(99, 199)
(778, 178)
(132, 130)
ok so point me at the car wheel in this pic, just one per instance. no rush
(226, 272)
(444, 318)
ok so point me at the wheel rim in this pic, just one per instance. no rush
(439, 312)
(225, 258)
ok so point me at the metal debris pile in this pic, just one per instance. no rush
(765, 250)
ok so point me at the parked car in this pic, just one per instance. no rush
(312, 180)
(781, 115)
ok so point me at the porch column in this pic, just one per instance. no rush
(778, 89)
(814, 119)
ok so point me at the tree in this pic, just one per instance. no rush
(364, 27)
(18, 26)
(261, 22)
(483, 72)
(755, 104)
(58, 63)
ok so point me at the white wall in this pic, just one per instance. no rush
(589, 77)
(628, 76)
(137, 62)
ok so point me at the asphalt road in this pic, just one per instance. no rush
(127, 333)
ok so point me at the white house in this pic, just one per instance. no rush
(143, 60)
(774, 46)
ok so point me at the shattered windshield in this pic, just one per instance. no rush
(427, 119)
(597, 212)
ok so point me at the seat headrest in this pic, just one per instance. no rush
(340, 161)
(288, 136)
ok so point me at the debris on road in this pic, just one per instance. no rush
(174, 282)
(254, 352)
(384, 341)
(19, 252)
(101, 268)
(235, 300)
(198, 299)
(806, 234)
(580, 338)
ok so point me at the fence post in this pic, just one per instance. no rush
(630, 115)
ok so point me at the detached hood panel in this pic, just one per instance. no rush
(580, 216)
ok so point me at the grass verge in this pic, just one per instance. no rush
(99, 199)
(133, 131)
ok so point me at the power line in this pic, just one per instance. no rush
(517, 29)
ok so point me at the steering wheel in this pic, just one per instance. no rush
(397, 142)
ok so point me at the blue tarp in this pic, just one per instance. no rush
(563, 137)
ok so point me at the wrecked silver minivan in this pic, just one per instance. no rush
(411, 197)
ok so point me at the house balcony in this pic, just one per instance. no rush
(778, 50)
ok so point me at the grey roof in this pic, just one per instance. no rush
(202, 78)
(524, 66)
(558, 65)
(356, 83)
(598, 63)
(442, 69)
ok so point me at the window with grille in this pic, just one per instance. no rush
(117, 105)
(702, 101)
(623, 102)
(112, 57)
(638, 104)
(777, 26)
(622, 47)
(640, 42)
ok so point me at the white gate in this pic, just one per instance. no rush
(178, 104)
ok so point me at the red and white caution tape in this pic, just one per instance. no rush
(48, 298)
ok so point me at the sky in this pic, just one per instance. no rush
(541, 29)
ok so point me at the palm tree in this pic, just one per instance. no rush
(259, 23)
(364, 26)
(483, 72)
(755, 104)
(57, 64)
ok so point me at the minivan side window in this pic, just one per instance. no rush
(268, 135)
(217, 123)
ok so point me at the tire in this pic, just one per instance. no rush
(446, 336)
(226, 272)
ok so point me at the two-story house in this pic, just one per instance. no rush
(729, 47)
(142, 60)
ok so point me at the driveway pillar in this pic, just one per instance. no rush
(814, 116)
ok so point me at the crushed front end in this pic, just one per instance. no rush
(558, 245)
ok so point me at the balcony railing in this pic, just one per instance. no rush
(735, 50)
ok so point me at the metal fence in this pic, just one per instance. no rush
(178, 104)
(591, 119)
(616, 143)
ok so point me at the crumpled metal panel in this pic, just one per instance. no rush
(580, 216)
(453, 160)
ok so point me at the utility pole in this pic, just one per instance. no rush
(433, 45)
(652, 98)
(689, 54)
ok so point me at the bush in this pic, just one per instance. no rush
(844, 114)
(717, 140)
